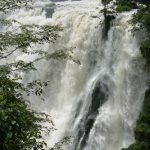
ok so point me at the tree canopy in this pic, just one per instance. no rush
(22, 128)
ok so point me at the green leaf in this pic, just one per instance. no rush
(9, 135)
(1, 97)
(13, 122)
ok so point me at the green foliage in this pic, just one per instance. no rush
(142, 17)
(145, 2)
(142, 130)
(26, 36)
(21, 128)
(138, 146)
(125, 5)
(141, 21)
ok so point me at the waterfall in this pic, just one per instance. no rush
(98, 101)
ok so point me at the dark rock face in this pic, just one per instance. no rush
(98, 98)
(107, 24)
(49, 12)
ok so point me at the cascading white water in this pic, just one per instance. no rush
(98, 101)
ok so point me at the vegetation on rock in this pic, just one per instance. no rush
(140, 22)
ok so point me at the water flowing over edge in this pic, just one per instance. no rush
(98, 101)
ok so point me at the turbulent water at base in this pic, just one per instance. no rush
(98, 101)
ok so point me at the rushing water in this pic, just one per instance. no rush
(98, 101)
